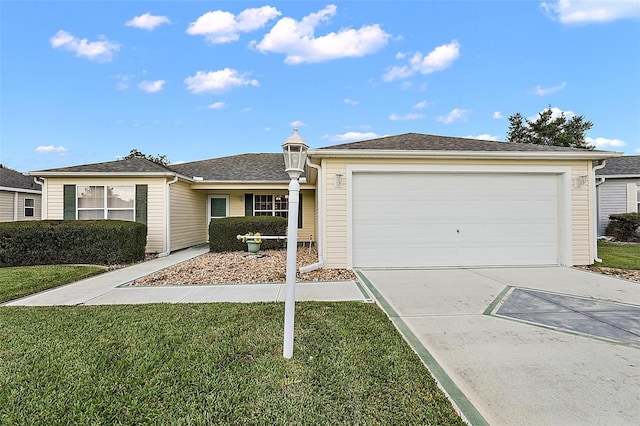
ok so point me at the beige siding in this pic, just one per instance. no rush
(188, 216)
(335, 199)
(6, 206)
(156, 199)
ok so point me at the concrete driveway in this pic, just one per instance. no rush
(522, 346)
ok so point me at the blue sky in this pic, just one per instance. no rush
(85, 82)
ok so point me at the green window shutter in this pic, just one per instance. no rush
(69, 202)
(218, 207)
(248, 204)
(141, 203)
(300, 211)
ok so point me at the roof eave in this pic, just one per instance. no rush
(25, 190)
(507, 155)
(104, 174)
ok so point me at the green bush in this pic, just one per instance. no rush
(52, 242)
(624, 226)
(223, 232)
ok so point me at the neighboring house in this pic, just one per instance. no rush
(618, 187)
(20, 196)
(410, 200)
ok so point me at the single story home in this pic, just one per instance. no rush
(410, 200)
(618, 188)
(20, 196)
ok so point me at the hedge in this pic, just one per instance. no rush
(223, 232)
(623, 226)
(51, 242)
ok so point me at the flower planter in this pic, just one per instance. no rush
(253, 247)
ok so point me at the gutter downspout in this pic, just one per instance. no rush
(594, 205)
(43, 205)
(15, 206)
(168, 219)
(320, 262)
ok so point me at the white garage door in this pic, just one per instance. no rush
(442, 219)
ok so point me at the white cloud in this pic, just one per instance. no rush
(297, 123)
(101, 50)
(217, 81)
(498, 115)
(147, 21)
(604, 143)
(484, 137)
(456, 114)
(405, 117)
(297, 40)
(544, 91)
(151, 86)
(45, 149)
(589, 11)
(217, 105)
(220, 27)
(421, 105)
(555, 113)
(438, 59)
(351, 102)
(352, 136)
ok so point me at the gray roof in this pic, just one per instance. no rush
(10, 178)
(129, 165)
(626, 165)
(423, 142)
(243, 167)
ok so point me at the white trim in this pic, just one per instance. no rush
(564, 203)
(15, 206)
(209, 212)
(26, 191)
(24, 207)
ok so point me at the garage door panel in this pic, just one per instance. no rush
(440, 219)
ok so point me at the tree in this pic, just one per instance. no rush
(547, 130)
(158, 159)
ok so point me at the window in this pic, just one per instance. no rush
(106, 202)
(271, 205)
(29, 207)
(218, 206)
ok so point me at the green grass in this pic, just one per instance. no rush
(211, 364)
(21, 281)
(617, 255)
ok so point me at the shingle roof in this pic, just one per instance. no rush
(10, 178)
(627, 165)
(423, 142)
(128, 165)
(243, 167)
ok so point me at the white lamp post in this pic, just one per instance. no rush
(295, 157)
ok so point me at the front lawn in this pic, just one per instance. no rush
(619, 255)
(211, 364)
(21, 281)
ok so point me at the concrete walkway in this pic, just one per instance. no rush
(110, 289)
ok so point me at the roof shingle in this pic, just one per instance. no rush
(424, 142)
(626, 165)
(10, 178)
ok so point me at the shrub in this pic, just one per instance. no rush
(223, 232)
(50, 242)
(623, 226)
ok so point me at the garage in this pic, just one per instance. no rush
(432, 219)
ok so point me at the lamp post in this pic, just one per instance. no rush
(295, 156)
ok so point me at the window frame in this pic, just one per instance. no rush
(105, 203)
(272, 211)
(31, 208)
(210, 212)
